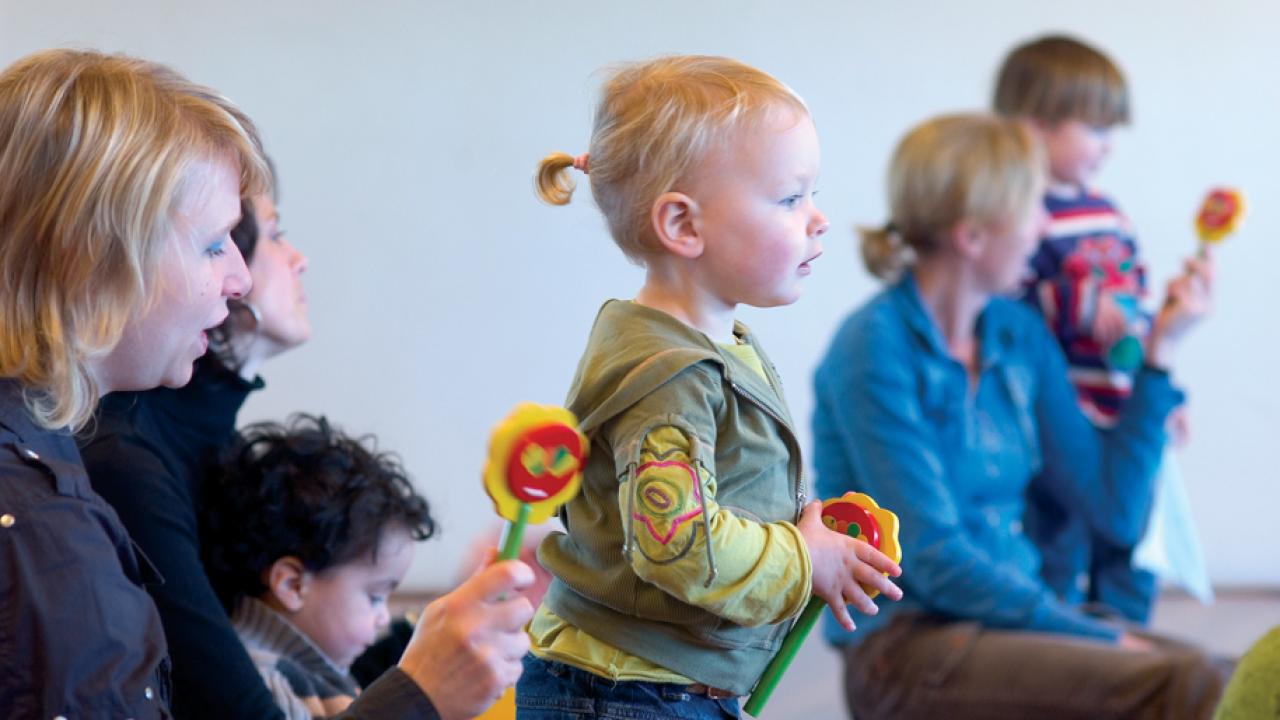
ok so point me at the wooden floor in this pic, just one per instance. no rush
(811, 689)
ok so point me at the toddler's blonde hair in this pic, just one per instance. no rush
(656, 121)
(952, 168)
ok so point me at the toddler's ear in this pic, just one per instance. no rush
(675, 222)
(287, 583)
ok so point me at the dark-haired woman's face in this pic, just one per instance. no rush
(277, 293)
(199, 269)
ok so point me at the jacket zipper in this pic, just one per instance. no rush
(799, 461)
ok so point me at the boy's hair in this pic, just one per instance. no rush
(948, 169)
(96, 154)
(304, 490)
(1057, 78)
(656, 121)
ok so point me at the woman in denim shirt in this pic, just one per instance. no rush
(946, 402)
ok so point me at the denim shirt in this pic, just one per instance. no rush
(895, 417)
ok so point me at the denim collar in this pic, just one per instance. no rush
(994, 330)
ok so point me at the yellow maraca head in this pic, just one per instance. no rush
(859, 516)
(536, 455)
(1219, 215)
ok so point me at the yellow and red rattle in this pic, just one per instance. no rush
(536, 455)
(858, 516)
(1220, 214)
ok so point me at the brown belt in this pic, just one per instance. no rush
(714, 693)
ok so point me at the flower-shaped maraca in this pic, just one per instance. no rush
(536, 456)
(859, 516)
(1219, 215)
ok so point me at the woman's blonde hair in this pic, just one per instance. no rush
(96, 152)
(952, 168)
(1057, 78)
(656, 121)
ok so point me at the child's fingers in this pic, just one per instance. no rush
(841, 612)
(854, 595)
(811, 514)
(867, 575)
(875, 558)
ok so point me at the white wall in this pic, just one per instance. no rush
(442, 292)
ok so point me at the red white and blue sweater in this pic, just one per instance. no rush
(1088, 249)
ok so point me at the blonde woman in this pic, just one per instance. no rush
(119, 184)
(945, 401)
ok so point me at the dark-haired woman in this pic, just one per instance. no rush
(150, 451)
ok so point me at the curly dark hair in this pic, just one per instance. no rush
(306, 490)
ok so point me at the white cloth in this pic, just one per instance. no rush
(1171, 546)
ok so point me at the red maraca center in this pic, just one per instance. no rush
(839, 516)
(1219, 208)
(542, 462)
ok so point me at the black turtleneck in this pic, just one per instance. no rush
(148, 456)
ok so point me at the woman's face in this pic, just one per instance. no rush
(1010, 244)
(277, 293)
(198, 270)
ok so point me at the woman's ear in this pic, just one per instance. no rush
(967, 238)
(287, 583)
(675, 218)
(1039, 128)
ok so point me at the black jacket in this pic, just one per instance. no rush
(79, 637)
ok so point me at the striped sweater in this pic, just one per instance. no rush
(1087, 250)
(305, 683)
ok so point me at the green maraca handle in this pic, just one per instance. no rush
(790, 646)
(514, 535)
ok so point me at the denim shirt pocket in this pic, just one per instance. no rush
(941, 395)
(1019, 382)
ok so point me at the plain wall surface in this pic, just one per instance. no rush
(442, 292)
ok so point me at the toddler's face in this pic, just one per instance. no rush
(345, 606)
(1076, 150)
(756, 212)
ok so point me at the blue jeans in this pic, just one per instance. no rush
(550, 690)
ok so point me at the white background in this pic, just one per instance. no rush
(442, 292)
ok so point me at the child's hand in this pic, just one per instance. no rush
(841, 565)
(1188, 300)
(1110, 322)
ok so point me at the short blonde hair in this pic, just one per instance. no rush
(656, 121)
(1057, 78)
(96, 152)
(952, 168)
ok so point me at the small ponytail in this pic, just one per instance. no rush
(552, 182)
(883, 252)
